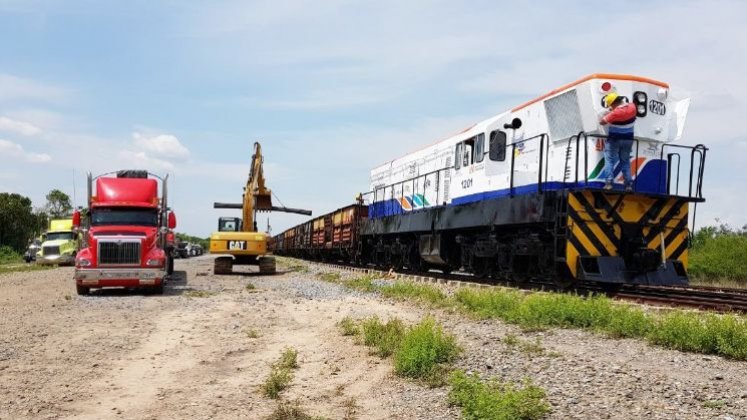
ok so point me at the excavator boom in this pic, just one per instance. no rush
(248, 246)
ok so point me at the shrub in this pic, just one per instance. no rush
(278, 380)
(348, 326)
(495, 400)
(718, 253)
(9, 255)
(424, 347)
(289, 359)
(385, 338)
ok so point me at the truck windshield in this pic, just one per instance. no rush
(124, 216)
(59, 236)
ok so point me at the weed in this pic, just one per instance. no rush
(68, 297)
(280, 374)
(8, 255)
(351, 408)
(332, 277)
(718, 253)
(199, 293)
(419, 292)
(252, 333)
(495, 400)
(348, 326)
(250, 286)
(385, 338)
(290, 411)
(278, 380)
(339, 390)
(714, 404)
(289, 359)
(525, 346)
(424, 347)
(363, 284)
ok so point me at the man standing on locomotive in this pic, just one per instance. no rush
(619, 144)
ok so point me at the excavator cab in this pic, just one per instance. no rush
(229, 224)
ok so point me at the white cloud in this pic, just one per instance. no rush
(19, 127)
(14, 150)
(163, 146)
(132, 159)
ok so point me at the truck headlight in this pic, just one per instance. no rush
(84, 262)
(154, 263)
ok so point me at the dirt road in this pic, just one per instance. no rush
(202, 350)
(188, 354)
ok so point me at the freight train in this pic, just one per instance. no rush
(520, 196)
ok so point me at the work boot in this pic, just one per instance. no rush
(628, 188)
(608, 186)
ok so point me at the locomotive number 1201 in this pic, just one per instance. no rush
(467, 183)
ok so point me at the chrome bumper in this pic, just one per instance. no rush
(143, 276)
(55, 259)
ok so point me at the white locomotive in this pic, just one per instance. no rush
(534, 146)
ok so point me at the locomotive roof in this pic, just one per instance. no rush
(479, 126)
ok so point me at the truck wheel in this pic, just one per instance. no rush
(267, 265)
(170, 265)
(83, 291)
(223, 265)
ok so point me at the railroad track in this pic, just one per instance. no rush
(712, 298)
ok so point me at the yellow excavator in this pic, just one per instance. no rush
(237, 241)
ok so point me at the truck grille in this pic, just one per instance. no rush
(51, 250)
(119, 252)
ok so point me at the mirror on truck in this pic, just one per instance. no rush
(76, 219)
(172, 220)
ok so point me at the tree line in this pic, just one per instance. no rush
(20, 222)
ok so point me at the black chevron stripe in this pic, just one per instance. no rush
(658, 227)
(677, 253)
(601, 249)
(608, 230)
(676, 230)
(577, 244)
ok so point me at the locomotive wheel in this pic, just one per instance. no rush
(223, 265)
(82, 290)
(267, 265)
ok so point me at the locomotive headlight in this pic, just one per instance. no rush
(640, 97)
(641, 109)
(662, 94)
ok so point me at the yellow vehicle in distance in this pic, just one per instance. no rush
(238, 241)
(59, 244)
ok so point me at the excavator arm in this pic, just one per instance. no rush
(257, 197)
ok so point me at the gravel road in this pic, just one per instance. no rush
(188, 354)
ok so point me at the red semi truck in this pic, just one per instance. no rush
(127, 233)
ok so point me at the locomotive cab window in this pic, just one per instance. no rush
(480, 148)
(497, 150)
(458, 156)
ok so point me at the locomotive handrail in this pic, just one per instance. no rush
(697, 158)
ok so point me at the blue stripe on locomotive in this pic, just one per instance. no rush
(651, 180)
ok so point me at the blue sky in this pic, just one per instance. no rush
(331, 88)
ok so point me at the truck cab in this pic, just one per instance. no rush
(60, 243)
(126, 233)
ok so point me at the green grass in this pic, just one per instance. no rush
(719, 254)
(9, 256)
(725, 335)
(23, 267)
(349, 326)
(383, 338)
(495, 400)
(677, 329)
(424, 350)
(412, 291)
(281, 374)
(329, 276)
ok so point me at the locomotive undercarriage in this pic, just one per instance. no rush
(516, 254)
